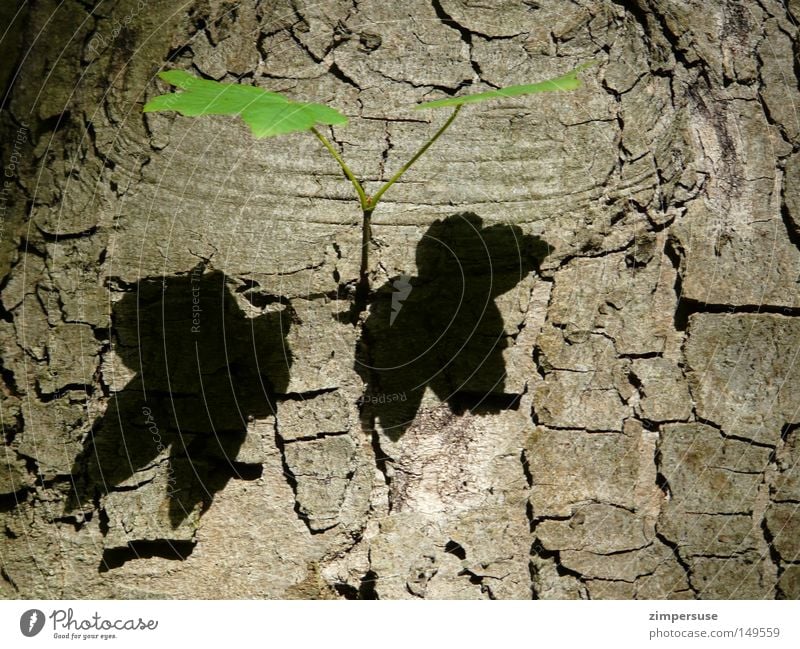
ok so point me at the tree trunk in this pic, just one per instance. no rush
(192, 406)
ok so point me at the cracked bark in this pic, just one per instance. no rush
(646, 444)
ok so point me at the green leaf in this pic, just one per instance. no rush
(568, 81)
(266, 113)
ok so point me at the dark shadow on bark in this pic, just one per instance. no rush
(203, 369)
(442, 328)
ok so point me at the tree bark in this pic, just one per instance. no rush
(640, 436)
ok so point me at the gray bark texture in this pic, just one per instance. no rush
(638, 432)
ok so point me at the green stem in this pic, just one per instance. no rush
(368, 204)
(362, 195)
(377, 197)
(363, 287)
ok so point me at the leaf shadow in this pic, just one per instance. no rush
(441, 329)
(203, 370)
